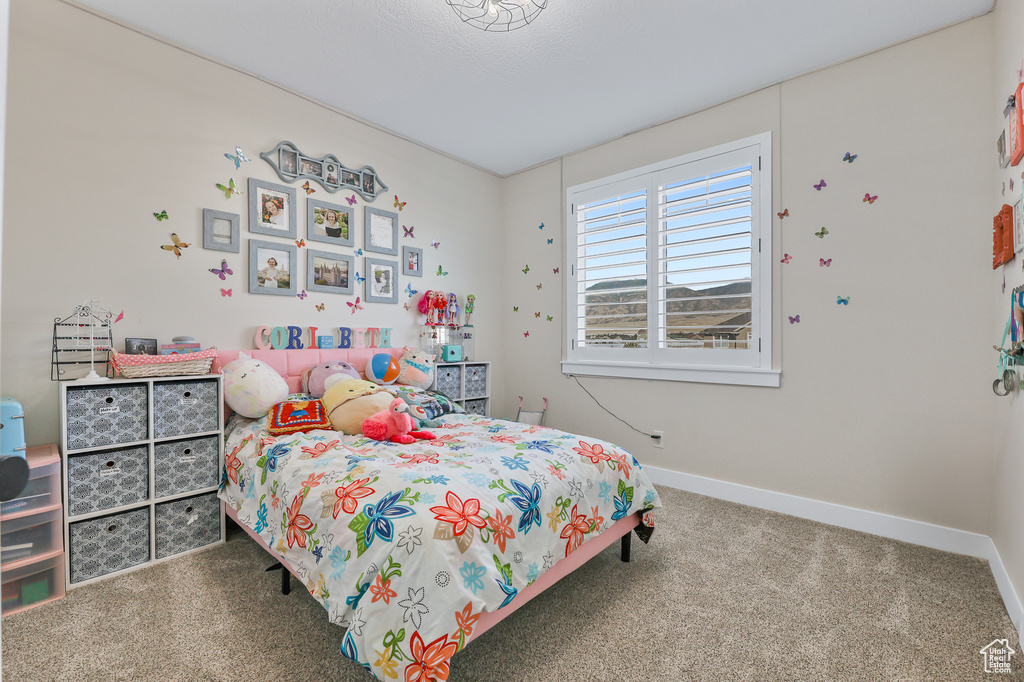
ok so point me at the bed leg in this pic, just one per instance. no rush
(286, 577)
(625, 546)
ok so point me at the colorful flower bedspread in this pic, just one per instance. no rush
(405, 545)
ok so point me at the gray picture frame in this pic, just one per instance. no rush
(258, 189)
(373, 238)
(318, 233)
(212, 239)
(326, 287)
(409, 267)
(372, 292)
(259, 253)
(286, 160)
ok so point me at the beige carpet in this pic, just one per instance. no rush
(723, 592)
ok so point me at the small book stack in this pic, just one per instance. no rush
(179, 348)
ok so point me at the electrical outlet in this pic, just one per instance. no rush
(659, 439)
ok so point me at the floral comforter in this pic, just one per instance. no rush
(405, 545)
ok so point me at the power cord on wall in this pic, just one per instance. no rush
(650, 435)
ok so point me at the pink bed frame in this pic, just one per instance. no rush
(290, 365)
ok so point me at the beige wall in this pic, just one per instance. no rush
(885, 403)
(106, 126)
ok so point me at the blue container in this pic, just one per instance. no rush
(12, 428)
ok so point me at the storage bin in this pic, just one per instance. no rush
(182, 408)
(476, 381)
(108, 543)
(110, 414)
(30, 536)
(478, 406)
(184, 465)
(42, 490)
(28, 585)
(188, 523)
(449, 381)
(108, 479)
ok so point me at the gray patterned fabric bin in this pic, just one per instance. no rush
(188, 523)
(449, 381)
(108, 479)
(184, 465)
(107, 415)
(476, 381)
(478, 407)
(181, 408)
(107, 544)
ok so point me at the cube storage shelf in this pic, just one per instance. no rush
(467, 383)
(142, 463)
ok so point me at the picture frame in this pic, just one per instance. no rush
(1004, 152)
(273, 268)
(318, 219)
(1018, 227)
(381, 281)
(329, 273)
(380, 231)
(140, 347)
(220, 230)
(412, 261)
(272, 209)
(292, 165)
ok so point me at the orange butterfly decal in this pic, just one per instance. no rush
(300, 243)
(784, 214)
(320, 306)
(176, 247)
(309, 190)
(399, 204)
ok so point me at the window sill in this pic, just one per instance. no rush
(738, 376)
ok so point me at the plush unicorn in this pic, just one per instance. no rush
(394, 424)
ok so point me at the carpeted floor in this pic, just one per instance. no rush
(723, 592)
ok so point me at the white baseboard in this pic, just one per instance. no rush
(893, 527)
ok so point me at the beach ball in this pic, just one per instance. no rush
(382, 369)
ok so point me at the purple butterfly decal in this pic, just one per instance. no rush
(820, 185)
(224, 270)
(408, 231)
(351, 200)
(794, 320)
(302, 295)
(822, 263)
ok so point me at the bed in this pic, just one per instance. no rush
(418, 549)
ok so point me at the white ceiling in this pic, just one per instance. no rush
(584, 72)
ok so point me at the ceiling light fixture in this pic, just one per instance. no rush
(497, 15)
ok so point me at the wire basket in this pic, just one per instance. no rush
(145, 366)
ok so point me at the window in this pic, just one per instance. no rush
(670, 269)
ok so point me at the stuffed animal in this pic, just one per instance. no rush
(394, 424)
(417, 368)
(351, 401)
(318, 378)
(251, 387)
(418, 404)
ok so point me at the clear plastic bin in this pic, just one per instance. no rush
(29, 536)
(27, 586)
(42, 490)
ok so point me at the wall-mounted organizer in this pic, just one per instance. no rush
(142, 463)
(31, 541)
(467, 383)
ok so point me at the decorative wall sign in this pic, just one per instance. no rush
(291, 164)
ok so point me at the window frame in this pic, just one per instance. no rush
(711, 365)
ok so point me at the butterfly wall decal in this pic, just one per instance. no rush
(820, 185)
(541, 226)
(309, 190)
(409, 290)
(536, 314)
(540, 286)
(440, 272)
(786, 258)
(407, 306)
(358, 278)
(515, 309)
(407, 231)
(351, 200)
(556, 271)
(551, 241)
(359, 252)
(225, 292)
(526, 334)
(399, 204)
(300, 243)
(784, 214)
(354, 306)
(550, 319)
(435, 243)
(238, 157)
(822, 263)
(868, 198)
(793, 319)
(842, 301)
(176, 247)
(849, 157)
(822, 233)
(302, 295)
(162, 215)
(320, 307)
(224, 270)
(228, 189)
(526, 270)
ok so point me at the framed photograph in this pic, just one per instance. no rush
(1018, 228)
(412, 261)
(349, 178)
(271, 209)
(289, 162)
(329, 223)
(310, 167)
(1004, 153)
(381, 281)
(368, 181)
(332, 173)
(220, 231)
(381, 231)
(140, 346)
(272, 268)
(329, 273)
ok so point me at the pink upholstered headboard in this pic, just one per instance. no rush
(291, 363)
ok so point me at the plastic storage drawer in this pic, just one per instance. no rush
(182, 408)
(184, 465)
(449, 381)
(188, 523)
(107, 415)
(476, 381)
(478, 406)
(108, 544)
(108, 479)
(42, 490)
(30, 536)
(27, 585)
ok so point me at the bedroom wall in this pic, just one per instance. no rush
(107, 126)
(885, 403)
